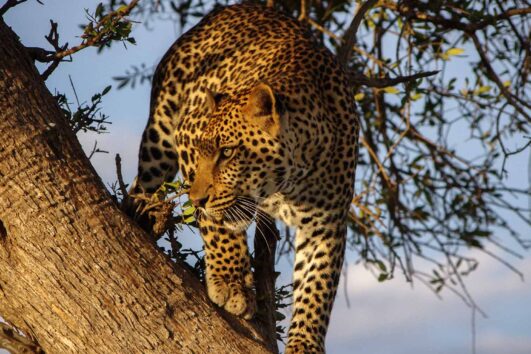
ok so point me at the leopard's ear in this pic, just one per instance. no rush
(212, 100)
(261, 109)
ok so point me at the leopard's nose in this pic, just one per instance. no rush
(200, 202)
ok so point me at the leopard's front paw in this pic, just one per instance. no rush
(218, 290)
(241, 301)
(237, 296)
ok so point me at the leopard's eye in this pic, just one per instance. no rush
(226, 153)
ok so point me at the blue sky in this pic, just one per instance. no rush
(393, 317)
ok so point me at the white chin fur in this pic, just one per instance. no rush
(236, 226)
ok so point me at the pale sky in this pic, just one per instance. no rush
(383, 318)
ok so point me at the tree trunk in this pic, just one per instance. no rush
(75, 272)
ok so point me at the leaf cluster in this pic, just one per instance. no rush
(86, 116)
(283, 297)
(105, 27)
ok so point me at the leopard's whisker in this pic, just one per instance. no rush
(255, 207)
(260, 213)
(241, 215)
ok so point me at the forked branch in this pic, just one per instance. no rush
(349, 38)
(9, 4)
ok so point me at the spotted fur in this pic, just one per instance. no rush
(259, 118)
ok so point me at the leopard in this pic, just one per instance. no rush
(259, 118)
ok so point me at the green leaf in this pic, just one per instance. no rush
(176, 185)
(99, 10)
(189, 220)
(415, 96)
(391, 89)
(454, 51)
(381, 265)
(481, 233)
(279, 316)
(106, 90)
(122, 8)
(482, 89)
(382, 277)
(189, 211)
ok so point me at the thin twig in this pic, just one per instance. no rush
(523, 42)
(376, 160)
(44, 56)
(74, 89)
(121, 183)
(304, 11)
(94, 149)
(400, 138)
(491, 74)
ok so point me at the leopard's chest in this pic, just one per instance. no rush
(277, 207)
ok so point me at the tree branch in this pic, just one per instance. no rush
(411, 13)
(349, 38)
(40, 54)
(491, 74)
(121, 184)
(9, 4)
(11, 340)
(373, 82)
(385, 82)
(304, 11)
(339, 39)
(71, 263)
(265, 244)
(503, 16)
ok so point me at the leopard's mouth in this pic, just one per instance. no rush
(236, 215)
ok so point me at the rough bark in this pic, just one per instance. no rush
(75, 272)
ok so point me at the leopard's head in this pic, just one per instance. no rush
(242, 158)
